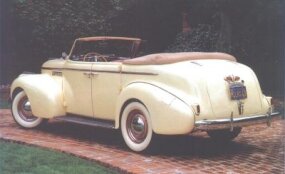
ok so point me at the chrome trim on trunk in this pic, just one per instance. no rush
(229, 123)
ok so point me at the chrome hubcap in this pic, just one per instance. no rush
(27, 106)
(137, 126)
(25, 111)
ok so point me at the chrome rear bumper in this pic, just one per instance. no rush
(230, 123)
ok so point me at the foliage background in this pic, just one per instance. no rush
(252, 30)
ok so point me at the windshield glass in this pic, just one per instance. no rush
(112, 49)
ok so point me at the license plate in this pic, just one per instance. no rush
(238, 91)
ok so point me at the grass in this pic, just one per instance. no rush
(23, 159)
(4, 104)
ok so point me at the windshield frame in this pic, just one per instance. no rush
(136, 42)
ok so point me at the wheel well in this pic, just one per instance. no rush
(16, 91)
(125, 104)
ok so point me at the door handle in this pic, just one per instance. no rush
(88, 74)
(94, 74)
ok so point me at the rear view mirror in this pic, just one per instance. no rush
(64, 55)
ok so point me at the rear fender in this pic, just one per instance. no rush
(44, 93)
(169, 115)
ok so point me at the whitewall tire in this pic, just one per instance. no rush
(136, 126)
(22, 113)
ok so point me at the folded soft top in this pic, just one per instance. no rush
(167, 58)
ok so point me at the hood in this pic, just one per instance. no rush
(55, 63)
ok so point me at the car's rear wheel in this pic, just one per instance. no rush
(136, 126)
(224, 134)
(22, 112)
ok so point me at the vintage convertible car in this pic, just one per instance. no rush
(100, 83)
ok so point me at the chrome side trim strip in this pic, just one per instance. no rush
(61, 69)
(139, 73)
(206, 125)
(102, 71)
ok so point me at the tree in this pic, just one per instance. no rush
(252, 30)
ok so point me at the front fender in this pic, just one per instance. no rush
(44, 93)
(169, 115)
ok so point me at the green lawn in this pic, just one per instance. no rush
(4, 104)
(23, 159)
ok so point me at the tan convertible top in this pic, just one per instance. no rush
(166, 58)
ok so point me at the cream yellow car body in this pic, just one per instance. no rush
(179, 90)
(170, 97)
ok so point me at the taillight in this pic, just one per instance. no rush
(198, 109)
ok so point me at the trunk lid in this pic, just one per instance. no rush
(218, 88)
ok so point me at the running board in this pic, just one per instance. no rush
(87, 121)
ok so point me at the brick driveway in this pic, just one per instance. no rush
(256, 150)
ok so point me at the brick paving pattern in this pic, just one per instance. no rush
(257, 149)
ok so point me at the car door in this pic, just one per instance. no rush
(77, 87)
(106, 86)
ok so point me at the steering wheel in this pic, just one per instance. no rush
(100, 56)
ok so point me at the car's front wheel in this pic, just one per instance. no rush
(22, 112)
(224, 134)
(136, 126)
